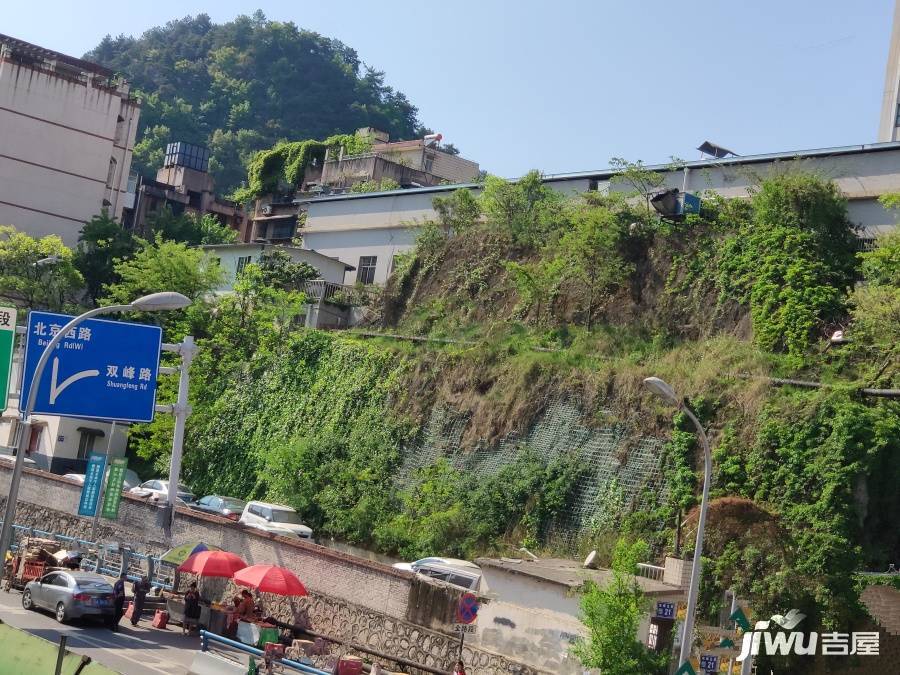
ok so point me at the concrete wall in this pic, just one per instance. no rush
(63, 150)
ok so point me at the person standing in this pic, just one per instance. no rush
(140, 588)
(118, 600)
(191, 609)
(460, 669)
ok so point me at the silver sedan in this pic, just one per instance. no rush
(71, 595)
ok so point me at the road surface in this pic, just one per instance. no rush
(142, 650)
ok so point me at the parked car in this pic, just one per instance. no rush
(460, 573)
(71, 595)
(158, 491)
(229, 507)
(30, 463)
(131, 478)
(276, 519)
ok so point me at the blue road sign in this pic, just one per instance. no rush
(93, 479)
(101, 370)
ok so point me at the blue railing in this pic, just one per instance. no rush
(206, 637)
(110, 562)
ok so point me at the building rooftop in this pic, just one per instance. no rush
(22, 48)
(605, 174)
(568, 573)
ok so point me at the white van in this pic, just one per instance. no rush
(457, 572)
(276, 519)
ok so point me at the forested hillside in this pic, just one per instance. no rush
(244, 85)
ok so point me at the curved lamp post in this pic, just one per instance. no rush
(667, 393)
(155, 302)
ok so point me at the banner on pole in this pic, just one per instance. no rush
(93, 479)
(114, 484)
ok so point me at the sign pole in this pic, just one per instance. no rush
(180, 410)
(112, 432)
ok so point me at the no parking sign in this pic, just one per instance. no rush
(467, 609)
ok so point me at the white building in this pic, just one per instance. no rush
(58, 444)
(369, 230)
(234, 257)
(67, 131)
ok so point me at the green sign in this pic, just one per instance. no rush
(7, 345)
(114, 483)
(686, 669)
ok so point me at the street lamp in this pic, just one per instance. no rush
(667, 393)
(154, 302)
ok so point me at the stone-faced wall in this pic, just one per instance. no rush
(372, 604)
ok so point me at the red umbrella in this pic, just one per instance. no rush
(213, 564)
(270, 579)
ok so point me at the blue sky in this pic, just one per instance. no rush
(566, 85)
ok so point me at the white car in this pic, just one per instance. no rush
(131, 479)
(276, 519)
(158, 491)
(457, 572)
(27, 461)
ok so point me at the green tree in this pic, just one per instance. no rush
(793, 262)
(612, 614)
(247, 84)
(278, 270)
(457, 211)
(591, 254)
(54, 286)
(525, 210)
(164, 266)
(190, 228)
(101, 244)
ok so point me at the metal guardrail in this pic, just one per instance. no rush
(206, 637)
(357, 296)
(107, 560)
(649, 571)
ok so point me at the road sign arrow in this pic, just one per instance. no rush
(72, 379)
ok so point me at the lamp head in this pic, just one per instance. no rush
(662, 389)
(158, 302)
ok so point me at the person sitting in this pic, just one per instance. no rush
(245, 610)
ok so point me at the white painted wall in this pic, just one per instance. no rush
(350, 245)
(57, 137)
(330, 269)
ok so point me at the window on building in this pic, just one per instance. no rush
(242, 262)
(365, 271)
(282, 230)
(897, 121)
(86, 442)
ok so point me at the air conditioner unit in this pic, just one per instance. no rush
(267, 210)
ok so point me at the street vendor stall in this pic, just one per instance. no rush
(206, 564)
(265, 579)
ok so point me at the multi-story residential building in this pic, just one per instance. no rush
(410, 164)
(369, 230)
(889, 128)
(183, 185)
(67, 131)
